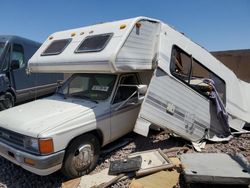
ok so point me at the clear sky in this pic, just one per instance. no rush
(214, 24)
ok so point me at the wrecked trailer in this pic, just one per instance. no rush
(126, 75)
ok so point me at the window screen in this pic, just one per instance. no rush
(56, 47)
(94, 43)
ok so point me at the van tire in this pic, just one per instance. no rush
(8, 102)
(86, 146)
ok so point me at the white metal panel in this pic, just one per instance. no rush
(139, 48)
(172, 105)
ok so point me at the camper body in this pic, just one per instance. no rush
(16, 85)
(106, 96)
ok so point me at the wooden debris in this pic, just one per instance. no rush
(71, 183)
(95, 180)
(152, 161)
(176, 149)
(166, 179)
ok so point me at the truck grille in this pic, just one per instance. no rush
(11, 137)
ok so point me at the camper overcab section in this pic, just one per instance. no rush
(126, 75)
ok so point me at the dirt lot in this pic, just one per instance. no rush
(14, 176)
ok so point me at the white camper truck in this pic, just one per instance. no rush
(126, 75)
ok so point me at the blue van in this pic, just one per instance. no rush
(16, 85)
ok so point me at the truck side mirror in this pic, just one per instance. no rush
(14, 64)
(142, 89)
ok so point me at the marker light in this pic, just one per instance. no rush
(81, 33)
(122, 26)
(73, 34)
(51, 37)
(29, 161)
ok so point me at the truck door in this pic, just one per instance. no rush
(179, 101)
(123, 116)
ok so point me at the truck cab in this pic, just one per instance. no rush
(16, 85)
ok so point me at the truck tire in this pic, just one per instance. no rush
(81, 156)
(8, 102)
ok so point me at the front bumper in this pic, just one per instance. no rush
(43, 165)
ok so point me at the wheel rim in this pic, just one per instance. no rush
(83, 157)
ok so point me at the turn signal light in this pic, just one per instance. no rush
(46, 146)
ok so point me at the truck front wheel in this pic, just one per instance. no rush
(81, 156)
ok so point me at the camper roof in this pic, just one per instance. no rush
(96, 47)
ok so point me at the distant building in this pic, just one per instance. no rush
(237, 60)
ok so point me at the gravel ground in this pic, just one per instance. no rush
(14, 176)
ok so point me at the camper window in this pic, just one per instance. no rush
(56, 47)
(190, 71)
(181, 64)
(94, 43)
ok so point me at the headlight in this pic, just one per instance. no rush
(41, 145)
(31, 144)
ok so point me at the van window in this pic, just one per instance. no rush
(18, 54)
(56, 47)
(2, 45)
(94, 43)
(192, 72)
(6, 61)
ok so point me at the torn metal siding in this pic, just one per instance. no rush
(139, 48)
(172, 105)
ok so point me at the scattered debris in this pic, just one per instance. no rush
(116, 179)
(215, 168)
(152, 161)
(166, 179)
(74, 183)
(125, 165)
(199, 145)
(95, 180)
(175, 150)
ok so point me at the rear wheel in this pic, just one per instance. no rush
(81, 156)
(8, 102)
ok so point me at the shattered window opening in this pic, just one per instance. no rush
(187, 69)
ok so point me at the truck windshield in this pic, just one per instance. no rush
(92, 87)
